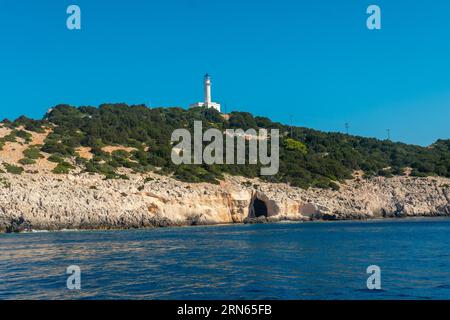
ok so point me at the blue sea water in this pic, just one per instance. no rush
(314, 260)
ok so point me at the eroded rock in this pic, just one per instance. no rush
(55, 202)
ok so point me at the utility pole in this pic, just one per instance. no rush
(290, 116)
(388, 134)
(347, 126)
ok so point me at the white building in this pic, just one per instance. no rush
(207, 103)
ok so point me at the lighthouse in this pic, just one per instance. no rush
(207, 87)
(207, 102)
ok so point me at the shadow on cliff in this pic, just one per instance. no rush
(259, 208)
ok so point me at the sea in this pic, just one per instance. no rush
(310, 260)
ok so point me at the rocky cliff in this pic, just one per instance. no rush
(84, 201)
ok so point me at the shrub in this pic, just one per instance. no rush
(120, 154)
(32, 152)
(322, 184)
(137, 168)
(81, 161)
(309, 158)
(110, 176)
(29, 124)
(102, 168)
(4, 183)
(56, 158)
(10, 168)
(27, 161)
(54, 146)
(148, 179)
(416, 173)
(385, 173)
(63, 168)
(24, 135)
(334, 186)
(11, 137)
(295, 145)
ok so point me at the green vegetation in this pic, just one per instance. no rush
(4, 183)
(32, 152)
(56, 158)
(148, 179)
(22, 134)
(27, 161)
(295, 145)
(307, 157)
(13, 135)
(63, 168)
(10, 168)
(27, 123)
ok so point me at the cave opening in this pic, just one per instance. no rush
(259, 208)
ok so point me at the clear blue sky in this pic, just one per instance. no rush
(314, 60)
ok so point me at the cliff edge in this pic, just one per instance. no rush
(85, 201)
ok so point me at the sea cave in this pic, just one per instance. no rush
(259, 208)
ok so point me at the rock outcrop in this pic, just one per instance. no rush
(83, 201)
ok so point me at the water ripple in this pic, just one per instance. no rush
(273, 261)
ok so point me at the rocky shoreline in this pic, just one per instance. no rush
(83, 201)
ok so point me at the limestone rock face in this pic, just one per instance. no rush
(83, 201)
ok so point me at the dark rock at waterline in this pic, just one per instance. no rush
(261, 219)
(16, 225)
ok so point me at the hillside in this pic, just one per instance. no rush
(113, 136)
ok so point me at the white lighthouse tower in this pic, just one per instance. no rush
(207, 103)
(207, 87)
